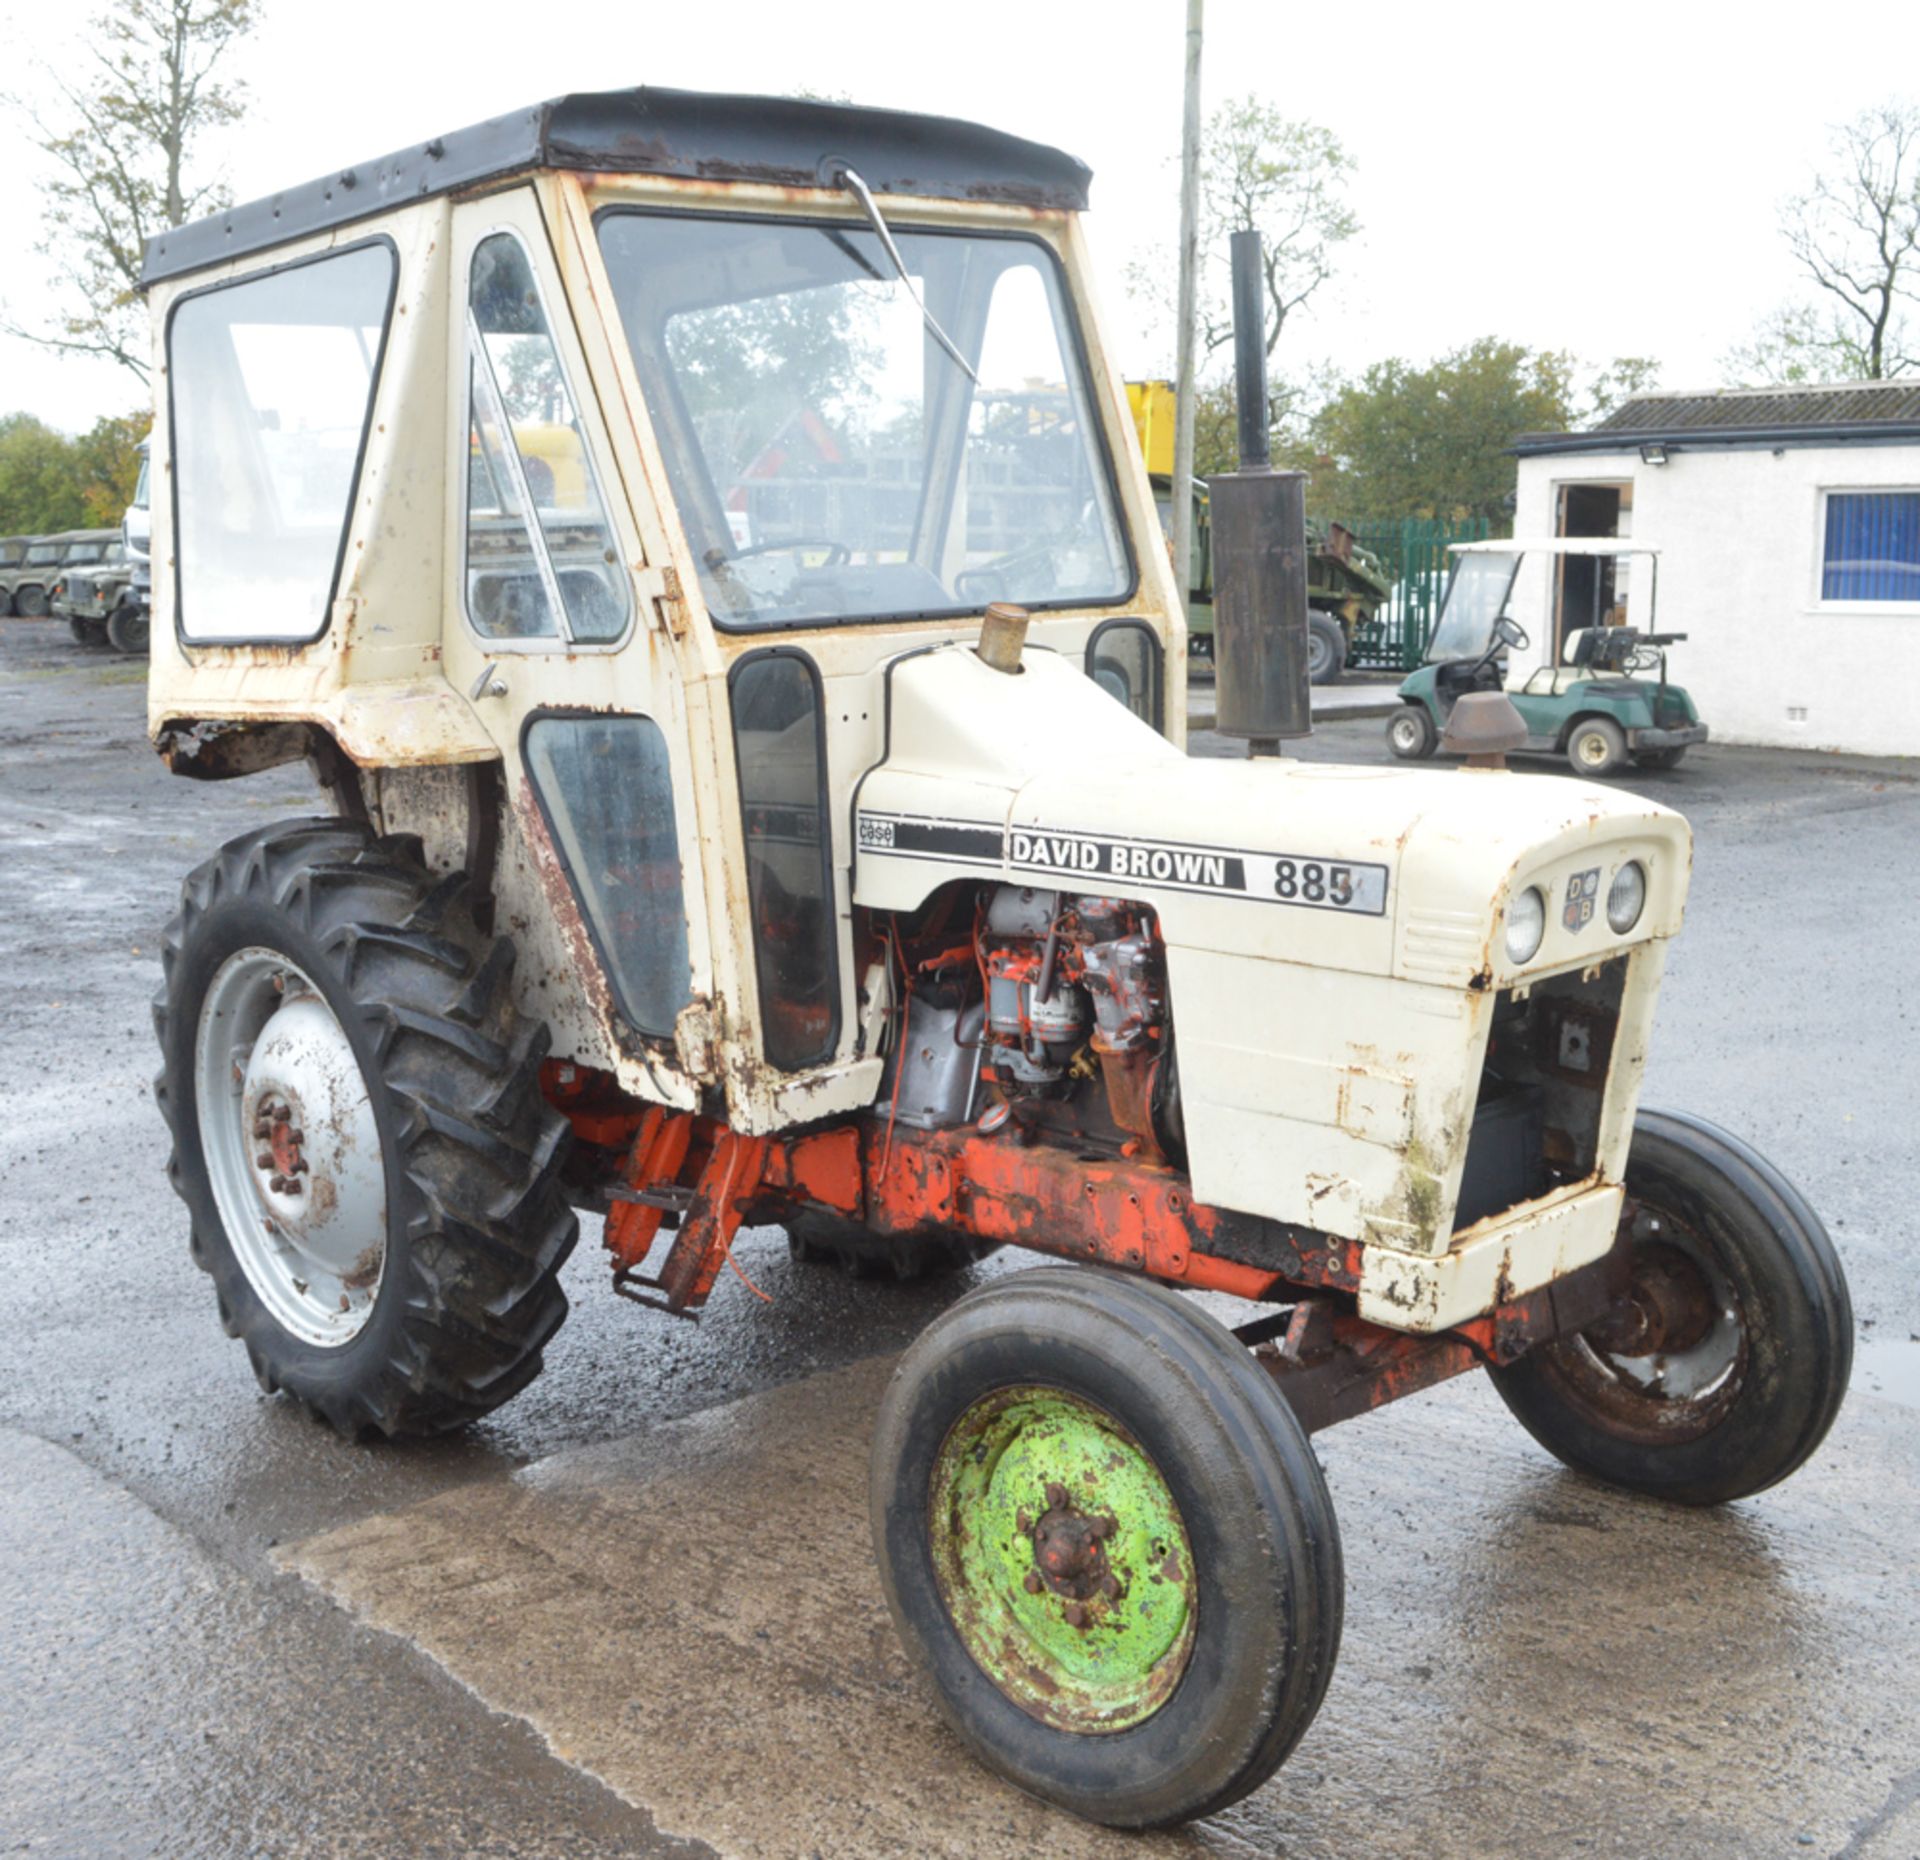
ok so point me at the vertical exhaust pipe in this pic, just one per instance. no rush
(1259, 520)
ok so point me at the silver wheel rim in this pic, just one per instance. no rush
(1319, 653)
(1590, 749)
(292, 1148)
(1406, 734)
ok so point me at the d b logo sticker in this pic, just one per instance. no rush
(1583, 892)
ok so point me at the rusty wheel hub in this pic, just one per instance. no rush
(1069, 1554)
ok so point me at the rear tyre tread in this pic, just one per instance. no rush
(430, 996)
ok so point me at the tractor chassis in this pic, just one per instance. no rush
(700, 1180)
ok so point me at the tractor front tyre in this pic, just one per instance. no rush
(1597, 746)
(128, 628)
(1104, 1538)
(1326, 649)
(863, 1254)
(1410, 733)
(1720, 1369)
(370, 1169)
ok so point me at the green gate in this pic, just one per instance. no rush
(1413, 553)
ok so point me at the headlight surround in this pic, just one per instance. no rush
(1526, 924)
(1627, 897)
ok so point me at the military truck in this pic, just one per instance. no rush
(90, 588)
(782, 816)
(13, 550)
(28, 584)
(1347, 584)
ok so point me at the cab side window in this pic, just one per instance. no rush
(541, 561)
(1123, 659)
(777, 737)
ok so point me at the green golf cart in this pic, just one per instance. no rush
(1607, 703)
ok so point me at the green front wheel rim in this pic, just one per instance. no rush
(1062, 1559)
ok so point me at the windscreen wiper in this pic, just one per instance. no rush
(847, 178)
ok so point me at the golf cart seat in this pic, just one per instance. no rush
(1577, 666)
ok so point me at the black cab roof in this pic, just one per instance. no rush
(698, 135)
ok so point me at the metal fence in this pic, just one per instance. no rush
(1413, 553)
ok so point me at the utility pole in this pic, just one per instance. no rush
(1189, 281)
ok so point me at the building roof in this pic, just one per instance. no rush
(1818, 414)
(700, 135)
(1556, 545)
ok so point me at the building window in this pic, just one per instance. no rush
(1872, 547)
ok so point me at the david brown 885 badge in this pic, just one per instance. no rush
(1583, 893)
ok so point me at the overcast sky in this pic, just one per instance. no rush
(1601, 177)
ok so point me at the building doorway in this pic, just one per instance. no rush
(1591, 590)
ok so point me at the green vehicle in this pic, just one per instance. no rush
(1346, 586)
(1606, 704)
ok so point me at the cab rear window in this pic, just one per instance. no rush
(272, 381)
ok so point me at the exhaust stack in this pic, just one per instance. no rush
(1259, 520)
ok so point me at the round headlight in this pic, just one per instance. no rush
(1627, 897)
(1526, 925)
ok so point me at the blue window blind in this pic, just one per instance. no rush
(1873, 546)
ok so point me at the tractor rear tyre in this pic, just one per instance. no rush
(818, 1240)
(87, 631)
(1721, 1369)
(1597, 746)
(127, 629)
(358, 1131)
(1326, 649)
(1105, 1539)
(30, 603)
(1410, 733)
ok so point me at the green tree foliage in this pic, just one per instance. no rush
(40, 489)
(1855, 235)
(1407, 441)
(121, 128)
(49, 482)
(107, 464)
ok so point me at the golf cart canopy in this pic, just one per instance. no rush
(1554, 545)
(1483, 578)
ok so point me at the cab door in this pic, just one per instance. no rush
(552, 631)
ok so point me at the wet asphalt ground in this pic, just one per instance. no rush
(634, 1612)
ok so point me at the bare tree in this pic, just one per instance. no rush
(1285, 179)
(1856, 235)
(121, 142)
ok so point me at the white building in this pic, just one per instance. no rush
(1788, 521)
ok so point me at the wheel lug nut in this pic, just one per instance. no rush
(278, 1184)
(1076, 1615)
(1056, 1497)
(1102, 1529)
(263, 1161)
(296, 1136)
(1033, 1583)
(1110, 1586)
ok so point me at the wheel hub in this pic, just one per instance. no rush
(1062, 1558)
(292, 1147)
(1069, 1553)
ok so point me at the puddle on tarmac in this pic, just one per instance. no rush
(1888, 1368)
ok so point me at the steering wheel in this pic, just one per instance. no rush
(1508, 631)
(837, 552)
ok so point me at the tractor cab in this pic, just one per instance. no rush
(1607, 704)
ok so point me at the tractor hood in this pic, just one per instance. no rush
(1043, 778)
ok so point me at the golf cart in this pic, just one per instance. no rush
(1607, 702)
